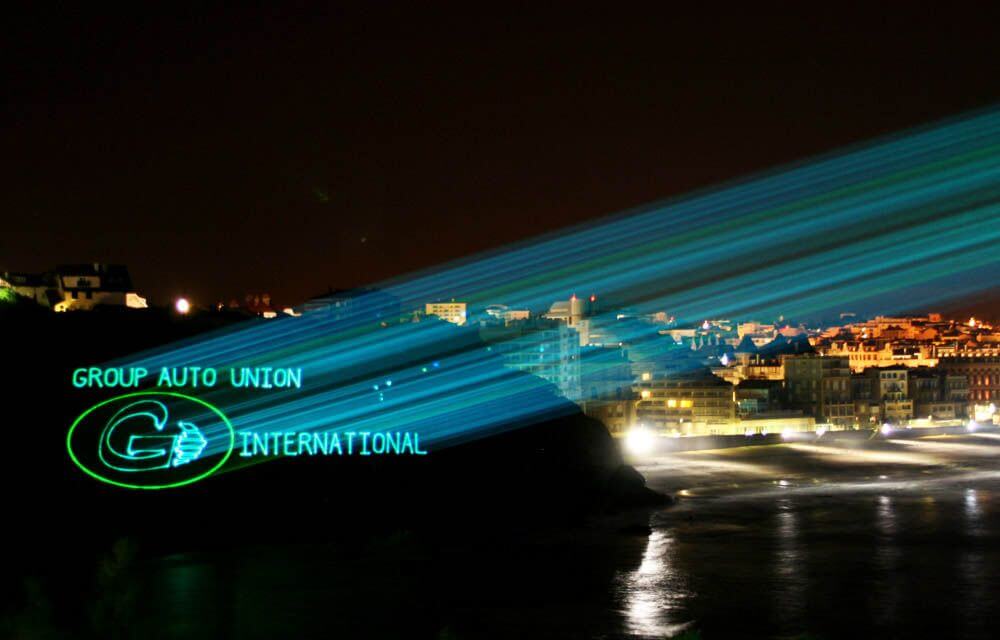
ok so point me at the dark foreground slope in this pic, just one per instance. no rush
(433, 546)
(557, 470)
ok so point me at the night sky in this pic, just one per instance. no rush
(219, 152)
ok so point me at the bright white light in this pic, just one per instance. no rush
(886, 429)
(639, 440)
(972, 426)
(182, 305)
(820, 431)
(786, 433)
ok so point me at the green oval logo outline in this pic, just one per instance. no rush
(200, 476)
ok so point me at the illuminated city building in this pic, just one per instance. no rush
(758, 396)
(697, 403)
(78, 287)
(890, 328)
(606, 379)
(570, 311)
(985, 347)
(547, 349)
(871, 353)
(889, 392)
(453, 312)
(938, 395)
(42, 288)
(764, 369)
(758, 333)
(89, 285)
(503, 314)
(575, 313)
(821, 387)
(983, 374)
(747, 363)
(867, 410)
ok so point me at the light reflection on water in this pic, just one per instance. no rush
(879, 542)
(972, 512)
(885, 516)
(973, 573)
(886, 581)
(788, 563)
(651, 594)
(877, 551)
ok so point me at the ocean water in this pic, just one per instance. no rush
(820, 539)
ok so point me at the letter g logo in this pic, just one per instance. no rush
(150, 440)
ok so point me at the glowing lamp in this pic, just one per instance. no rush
(182, 306)
(639, 440)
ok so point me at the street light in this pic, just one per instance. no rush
(182, 306)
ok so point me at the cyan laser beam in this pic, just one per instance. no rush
(915, 210)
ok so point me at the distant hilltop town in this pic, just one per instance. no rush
(629, 370)
(76, 287)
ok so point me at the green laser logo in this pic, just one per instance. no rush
(151, 440)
